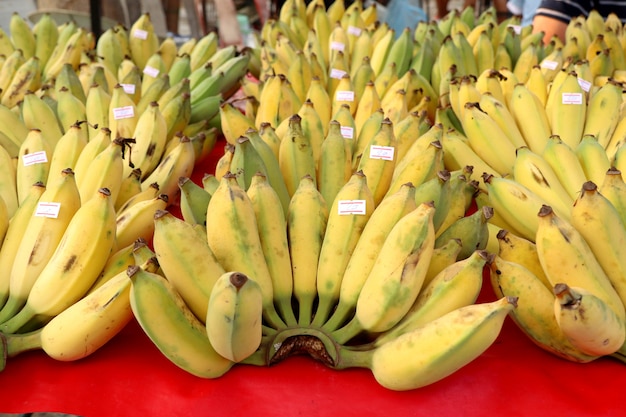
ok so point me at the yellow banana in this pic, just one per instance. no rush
(55, 209)
(74, 265)
(306, 225)
(234, 315)
(557, 239)
(534, 314)
(587, 321)
(172, 327)
(33, 164)
(239, 215)
(193, 271)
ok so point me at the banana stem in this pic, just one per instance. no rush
(286, 311)
(22, 342)
(338, 317)
(347, 332)
(349, 358)
(272, 317)
(322, 312)
(305, 311)
(16, 322)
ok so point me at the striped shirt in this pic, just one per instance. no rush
(566, 10)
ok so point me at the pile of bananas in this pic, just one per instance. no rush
(370, 180)
(95, 135)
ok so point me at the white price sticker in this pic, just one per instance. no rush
(337, 73)
(572, 98)
(549, 64)
(382, 152)
(345, 95)
(354, 30)
(151, 71)
(47, 209)
(347, 132)
(129, 88)
(140, 34)
(125, 112)
(337, 46)
(584, 84)
(346, 207)
(35, 158)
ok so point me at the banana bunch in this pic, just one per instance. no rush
(572, 265)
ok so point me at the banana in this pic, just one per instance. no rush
(558, 239)
(233, 122)
(603, 112)
(532, 171)
(418, 168)
(109, 50)
(399, 268)
(8, 190)
(306, 224)
(335, 162)
(205, 47)
(33, 163)
(22, 35)
(27, 77)
(379, 160)
(194, 201)
(348, 214)
(503, 117)
(295, 155)
(587, 321)
(383, 219)
(177, 162)
(457, 153)
(524, 106)
(137, 221)
(74, 265)
(234, 316)
(55, 209)
(131, 186)
(566, 112)
(150, 136)
(142, 40)
(105, 170)
(10, 66)
(14, 234)
(123, 114)
(534, 314)
(455, 286)
(514, 248)
(37, 114)
(516, 204)
(409, 129)
(70, 109)
(272, 230)
(600, 224)
(193, 271)
(482, 131)
(172, 327)
(320, 98)
(238, 213)
(472, 230)
(592, 158)
(404, 363)
(614, 189)
(565, 164)
(69, 53)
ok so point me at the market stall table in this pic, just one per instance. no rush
(130, 377)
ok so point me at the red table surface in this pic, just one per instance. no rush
(130, 377)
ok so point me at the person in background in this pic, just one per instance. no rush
(525, 9)
(552, 16)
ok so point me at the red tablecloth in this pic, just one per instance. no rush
(130, 377)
